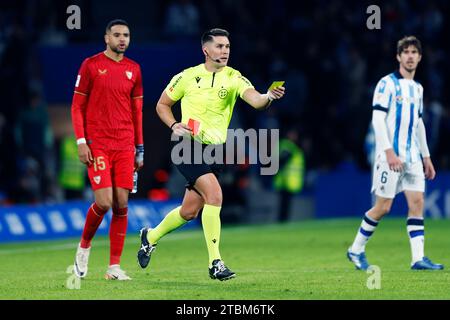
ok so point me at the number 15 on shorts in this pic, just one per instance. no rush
(99, 164)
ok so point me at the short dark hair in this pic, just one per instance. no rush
(407, 41)
(116, 22)
(208, 35)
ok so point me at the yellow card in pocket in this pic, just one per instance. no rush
(276, 84)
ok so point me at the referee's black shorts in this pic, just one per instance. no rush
(194, 165)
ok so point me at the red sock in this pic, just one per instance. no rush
(117, 233)
(93, 220)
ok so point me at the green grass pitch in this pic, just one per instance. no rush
(301, 260)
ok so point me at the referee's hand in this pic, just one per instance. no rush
(85, 154)
(180, 129)
(276, 93)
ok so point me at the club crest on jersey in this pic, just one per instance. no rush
(97, 179)
(102, 71)
(129, 74)
(223, 93)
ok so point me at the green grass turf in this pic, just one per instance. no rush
(301, 260)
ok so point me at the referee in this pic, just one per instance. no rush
(208, 93)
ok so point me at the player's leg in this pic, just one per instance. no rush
(100, 178)
(122, 163)
(384, 185)
(95, 214)
(179, 216)
(414, 187)
(370, 222)
(208, 186)
(415, 224)
(189, 209)
(94, 217)
(117, 234)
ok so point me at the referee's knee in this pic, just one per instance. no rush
(188, 215)
(214, 199)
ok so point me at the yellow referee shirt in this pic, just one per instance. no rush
(209, 98)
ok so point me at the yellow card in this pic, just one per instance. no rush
(276, 84)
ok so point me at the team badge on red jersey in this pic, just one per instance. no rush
(129, 74)
(97, 179)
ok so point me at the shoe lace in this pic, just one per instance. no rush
(148, 249)
(82, 258)
(220, 266)
(121, 272)
(426, 259)
(117, 271)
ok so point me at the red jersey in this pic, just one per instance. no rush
(110, 87)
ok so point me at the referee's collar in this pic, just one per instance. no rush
(398, 75)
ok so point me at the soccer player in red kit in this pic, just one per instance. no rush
(107, 120)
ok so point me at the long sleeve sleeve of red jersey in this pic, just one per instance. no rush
(136, 106)
(79, 103)
(80, 99)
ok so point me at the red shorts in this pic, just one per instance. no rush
(111, 168)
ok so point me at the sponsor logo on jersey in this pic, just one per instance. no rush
(175, 83)
(102, 72)
(197, 79)
(245, 80)
(129, 74)
(97, 179)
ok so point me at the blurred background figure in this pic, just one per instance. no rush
(182, 19)
(290, 178)
(34, 143)
(72, 173)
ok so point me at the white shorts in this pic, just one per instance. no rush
(387, 183)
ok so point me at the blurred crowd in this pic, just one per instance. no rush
(329, 59)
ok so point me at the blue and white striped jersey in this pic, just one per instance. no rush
(402, 100)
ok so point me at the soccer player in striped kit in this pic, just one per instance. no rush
(107, 120)
(402, 159)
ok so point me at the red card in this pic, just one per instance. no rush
(194, 125)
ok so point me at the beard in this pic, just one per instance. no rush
(412, 69)
(117, 50)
